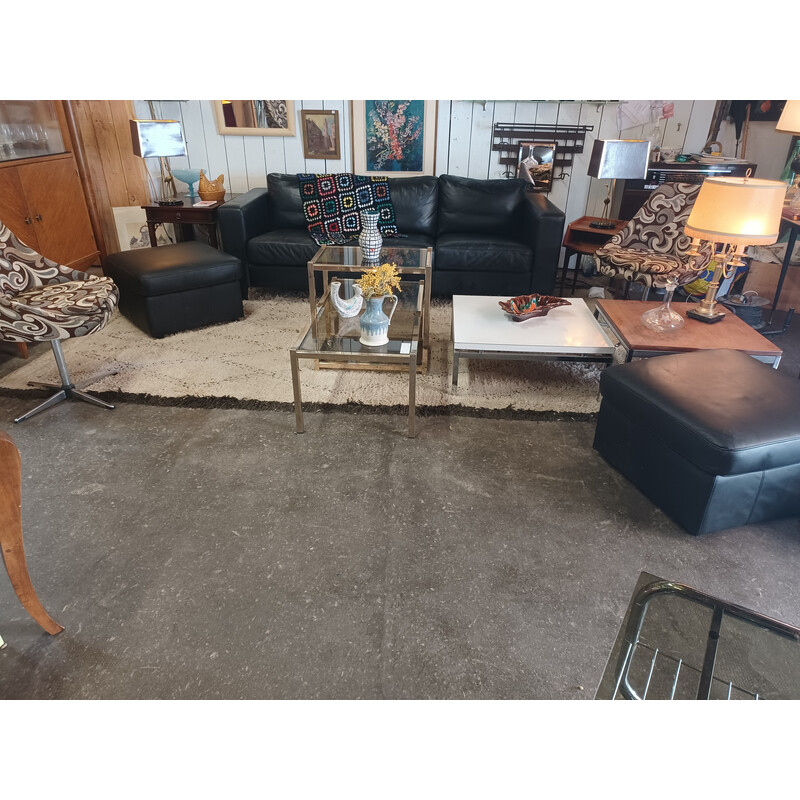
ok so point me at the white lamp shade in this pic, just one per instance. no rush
(790, 117)
(154, 138)
(619, 159)
(737, 211)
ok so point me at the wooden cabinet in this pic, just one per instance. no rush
(42, 201)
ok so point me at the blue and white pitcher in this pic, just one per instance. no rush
(374, 323)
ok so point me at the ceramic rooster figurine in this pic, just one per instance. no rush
(349, 307)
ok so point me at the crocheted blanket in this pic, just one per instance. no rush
(332, 202)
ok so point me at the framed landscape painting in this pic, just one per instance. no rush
(321, 134)
(394, 137)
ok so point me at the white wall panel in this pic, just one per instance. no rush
(460, 134)
(463, 142)
(443, 111)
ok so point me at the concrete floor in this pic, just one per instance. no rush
(216, 554)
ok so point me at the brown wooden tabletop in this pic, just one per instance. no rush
(730, 333)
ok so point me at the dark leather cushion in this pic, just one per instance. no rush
(415, 201)
(285, 209)
(721, 410)
(470, 205)
(285, 247)
(172, 268)
(474, 252)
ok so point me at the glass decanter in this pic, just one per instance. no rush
(663, 319)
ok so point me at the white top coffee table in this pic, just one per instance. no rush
(481, 329)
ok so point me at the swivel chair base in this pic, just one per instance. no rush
(66, 390)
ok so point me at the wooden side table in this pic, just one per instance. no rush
(581, 239)
(183, 218)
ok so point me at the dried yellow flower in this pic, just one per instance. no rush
(379, 281)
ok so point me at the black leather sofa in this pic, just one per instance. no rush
(489, 236)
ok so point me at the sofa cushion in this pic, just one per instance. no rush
(415, 201)
(471, 252)
(281, 248)
(285, 208)
(480, 206)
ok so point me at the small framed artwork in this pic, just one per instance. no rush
(132, 230)
(536, 161)
(321, 134)
(394, 137)
(255, 117)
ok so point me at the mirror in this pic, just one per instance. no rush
(536, 161)
(255, 117)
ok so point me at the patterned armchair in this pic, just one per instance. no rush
(41, 300)
(653, 246)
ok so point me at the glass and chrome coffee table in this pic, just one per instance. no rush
(348, 258)
(331, 338)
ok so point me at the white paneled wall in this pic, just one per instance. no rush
(463, 142)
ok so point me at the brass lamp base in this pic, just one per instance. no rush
(714, 316)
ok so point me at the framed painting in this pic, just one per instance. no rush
(321, 134)
(255, 117)
(132, 230)
(394, 137)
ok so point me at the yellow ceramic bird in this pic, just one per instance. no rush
(211, 186)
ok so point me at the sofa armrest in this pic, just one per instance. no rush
(241, 219)
(544, 223)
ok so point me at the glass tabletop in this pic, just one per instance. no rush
(337, 335)
(351, 256)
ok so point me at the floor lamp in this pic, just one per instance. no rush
(613, 160)
(160, 138)
(730, 214)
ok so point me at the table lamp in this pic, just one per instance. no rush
(617, 159)
(160, 138)
(730, 214)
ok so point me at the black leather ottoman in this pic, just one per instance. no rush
(711, 437)
(177, 287)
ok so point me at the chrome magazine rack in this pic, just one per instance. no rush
(645, 671)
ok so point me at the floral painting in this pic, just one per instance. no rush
(394, 137)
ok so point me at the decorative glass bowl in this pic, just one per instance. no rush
(526, 306)
(188, 176)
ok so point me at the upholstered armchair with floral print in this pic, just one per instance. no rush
(41, 300)
(653, 245)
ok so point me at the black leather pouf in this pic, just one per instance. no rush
(177, 287)
(711, 437)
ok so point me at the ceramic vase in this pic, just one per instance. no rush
(370, 240)
(375, 323)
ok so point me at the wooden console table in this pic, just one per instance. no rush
(582, 239)
(183, 218)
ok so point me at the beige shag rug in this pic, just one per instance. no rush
(245, 364)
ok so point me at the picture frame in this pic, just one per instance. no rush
(321, 134)
(132, 230)
(255, 117)
(396, 138)
(536, 164)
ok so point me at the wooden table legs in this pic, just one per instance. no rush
(11, 534)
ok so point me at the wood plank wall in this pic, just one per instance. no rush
(116, 176)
